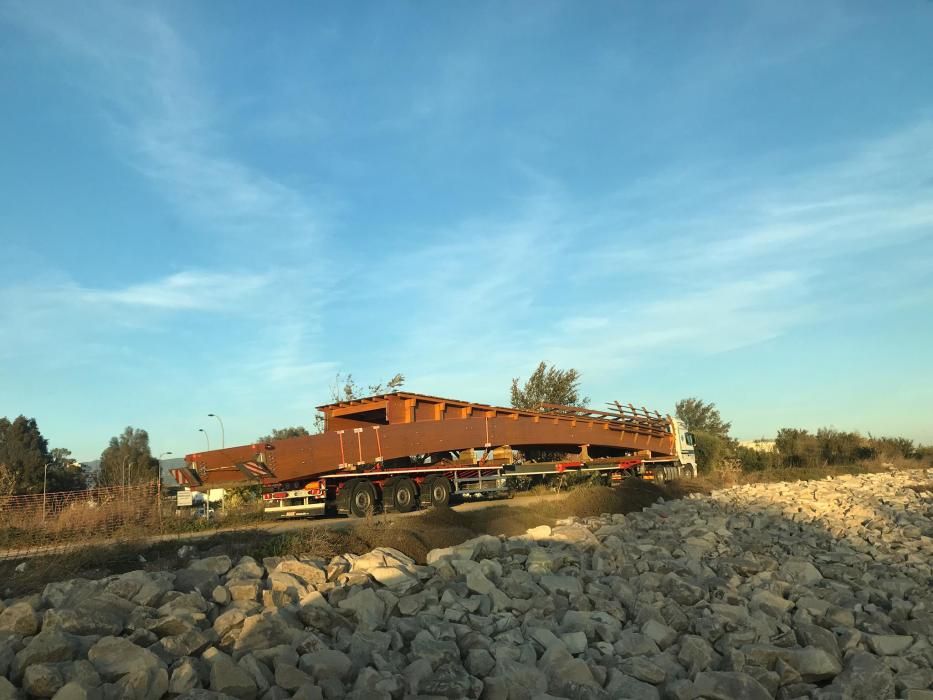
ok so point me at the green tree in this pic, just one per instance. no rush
(128, 460)
(24, 452)
(548, 385)
(65, 474)
(797, 448)
(714, 447)
(711, 450)
(894, 447)
(27, 463)
(754, 460)
(838, 447)
(240, 497)
(7, 482)
(284, 433)
(700, 416)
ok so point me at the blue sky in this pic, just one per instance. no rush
(206, 210)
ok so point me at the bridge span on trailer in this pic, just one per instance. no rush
(402, 449)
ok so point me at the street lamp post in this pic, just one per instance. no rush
(125, 477)
(202, 430)
(159, 489)
(160, 465)
(222, 438)
(45, 479)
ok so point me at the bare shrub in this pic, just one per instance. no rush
(7, 482)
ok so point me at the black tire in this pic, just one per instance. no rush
(406, 496)
(439, 492)
(363, 499)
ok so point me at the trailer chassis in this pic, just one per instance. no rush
(363, 492)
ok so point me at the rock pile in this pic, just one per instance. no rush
(796, 590)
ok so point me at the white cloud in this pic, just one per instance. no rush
(146, 78)
(166, 122)
(186, 291)
(42, 314)
(589, 284)
(583, 324)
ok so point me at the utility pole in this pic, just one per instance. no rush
(159, 490)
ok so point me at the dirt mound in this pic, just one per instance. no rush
(415, 536)
(443, 527)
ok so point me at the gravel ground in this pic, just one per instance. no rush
(807, 589)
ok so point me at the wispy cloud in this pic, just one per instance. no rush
(58, 307)
(880, 193)
(145, 77)
(183, 291)
(167, 121)
(588, 283)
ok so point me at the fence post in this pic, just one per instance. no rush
(45, 477)
(159, 503)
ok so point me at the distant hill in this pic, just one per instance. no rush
(93, 467)
(167, 465)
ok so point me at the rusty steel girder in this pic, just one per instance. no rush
(368, 433)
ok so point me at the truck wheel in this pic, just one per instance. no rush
(363, 499)
(406, 496)
(439, 490)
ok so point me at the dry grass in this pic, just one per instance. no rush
(415, 536)
(90, 562)
(173, 524)
(121, 522)
(35, 522)
(727, 478)
(315, 541)
(116, 522)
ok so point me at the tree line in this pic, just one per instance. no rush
(29, 466)
(794, 448)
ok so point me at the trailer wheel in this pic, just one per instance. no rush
(406, 496)
(363, 499)
(439, 491)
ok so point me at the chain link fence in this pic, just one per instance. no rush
(52, 523)
(48, 523)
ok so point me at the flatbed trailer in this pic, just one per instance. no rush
(394, 490)
(402, 451)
